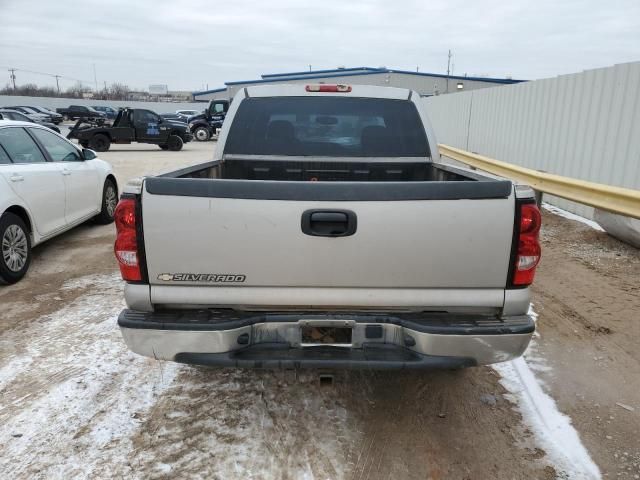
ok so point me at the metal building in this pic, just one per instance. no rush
(427, 84)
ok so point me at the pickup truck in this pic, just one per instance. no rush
(205, 125)
(133, 125)
(327, 233)
(75, 112)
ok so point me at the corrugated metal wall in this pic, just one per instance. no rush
(585, 125)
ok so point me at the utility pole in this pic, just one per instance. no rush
(13, 77)
(57, 83)
(448, 68)
(309, 67)
(95, 78)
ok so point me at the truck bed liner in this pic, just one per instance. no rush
(326, 181)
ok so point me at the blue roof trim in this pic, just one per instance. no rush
(312, 72)
(457, 77)
(209, 91)
(305, 77)
(373, 72)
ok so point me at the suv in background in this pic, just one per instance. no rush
(110, 112)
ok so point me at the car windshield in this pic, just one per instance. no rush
(327, 126)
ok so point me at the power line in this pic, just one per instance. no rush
(44, 73)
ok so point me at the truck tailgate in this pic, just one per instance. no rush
(408, 248)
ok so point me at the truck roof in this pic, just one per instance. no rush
(299, 89)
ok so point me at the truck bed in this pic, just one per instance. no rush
(328, 171)
(328, 181)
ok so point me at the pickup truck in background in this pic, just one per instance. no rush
(132, 125)
(75, 112)
(205, 125)
(326, 232)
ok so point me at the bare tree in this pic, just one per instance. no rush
(77, 90)
(118, 91)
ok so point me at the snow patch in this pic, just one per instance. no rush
(552, 429)
(571, 216)
(78, 412)
(93, 409)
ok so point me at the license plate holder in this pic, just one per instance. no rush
(315, 335)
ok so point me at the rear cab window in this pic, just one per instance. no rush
(20, 146)
(327, 126)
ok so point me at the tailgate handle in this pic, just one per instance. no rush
(329, 223)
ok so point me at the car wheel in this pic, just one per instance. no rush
(100, 142)
(202, 134)
(15, 248)
(174, 143)
(109, 202)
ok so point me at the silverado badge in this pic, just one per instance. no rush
(202, 277)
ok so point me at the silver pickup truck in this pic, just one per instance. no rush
(326, 232)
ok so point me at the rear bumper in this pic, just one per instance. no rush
(272, 340)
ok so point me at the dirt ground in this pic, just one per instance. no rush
(75, 403)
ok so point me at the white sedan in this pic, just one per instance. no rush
(47, 186)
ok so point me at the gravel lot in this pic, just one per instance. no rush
(74, 403)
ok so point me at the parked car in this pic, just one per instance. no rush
(31, 112)
(188, 113)
(55, 117)
(133, 125)
(75, 112)
(35, 116)
(47, 186)
(174, 117)
(110, 112)
(21, 117)
(327, 233)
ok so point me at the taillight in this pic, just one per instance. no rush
(528, 253)
(322, 87)
(126, 245)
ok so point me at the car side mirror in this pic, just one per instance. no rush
(88, 154)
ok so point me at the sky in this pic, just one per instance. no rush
(199, 44)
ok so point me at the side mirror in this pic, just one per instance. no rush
(88, 154)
